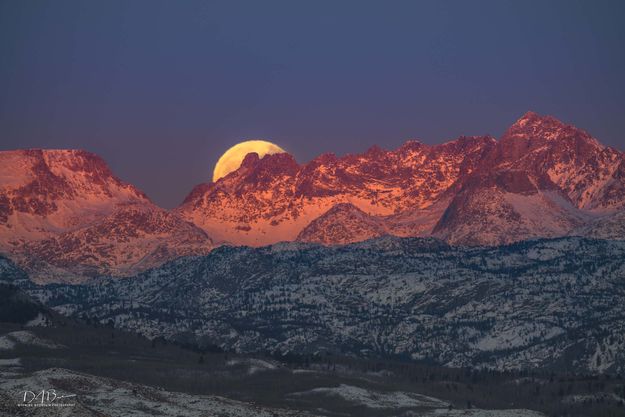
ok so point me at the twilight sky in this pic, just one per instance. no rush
(160, 89)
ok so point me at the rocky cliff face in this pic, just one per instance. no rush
(541, 179)
(590, 174)
(274, 199)
(44, 191)
(64, 216)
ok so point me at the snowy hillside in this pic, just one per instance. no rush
(536, 304)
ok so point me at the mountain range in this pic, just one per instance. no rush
(65, 217)
(538, 304)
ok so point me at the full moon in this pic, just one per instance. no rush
(232, 158)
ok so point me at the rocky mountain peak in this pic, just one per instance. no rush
(250, 160)
(534, 130)
(64, 215)
(260, 173)
(38, 182)
(278, 164)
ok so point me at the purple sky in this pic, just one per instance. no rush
(161, 88)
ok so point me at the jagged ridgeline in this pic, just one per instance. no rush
(550, 303)
(65, 217)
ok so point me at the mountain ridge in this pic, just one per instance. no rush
(543, 303)
(65, 216)
(63, 212)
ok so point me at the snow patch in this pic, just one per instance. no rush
(376, 399)
(25, 337)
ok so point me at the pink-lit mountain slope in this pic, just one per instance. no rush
(64, 216)
(543, 178)
(273, 199)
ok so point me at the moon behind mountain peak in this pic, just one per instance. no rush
(232, 158)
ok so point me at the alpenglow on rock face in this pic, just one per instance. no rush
(273, 199)
(64, 216)
(536, 304)
(543, 178)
